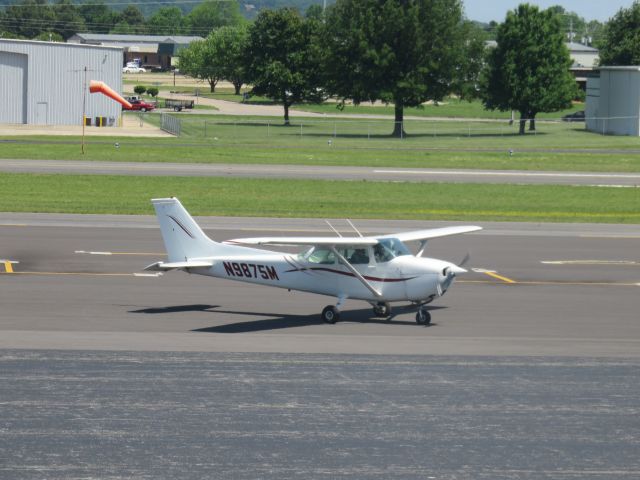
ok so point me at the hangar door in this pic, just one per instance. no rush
(13, 87)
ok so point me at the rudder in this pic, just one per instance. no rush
(183, 237)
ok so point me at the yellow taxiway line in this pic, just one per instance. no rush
(500, 277)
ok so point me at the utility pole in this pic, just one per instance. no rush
(84, 104)
(85, 70)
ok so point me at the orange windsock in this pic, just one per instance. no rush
(101, 87)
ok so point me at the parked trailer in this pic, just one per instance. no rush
(178, 105)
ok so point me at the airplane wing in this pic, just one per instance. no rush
(315, 241)
(431, 233)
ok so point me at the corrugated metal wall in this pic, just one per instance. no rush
(52, 89)
(13, 85)
(618, 103)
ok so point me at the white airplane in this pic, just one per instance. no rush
(378, 270)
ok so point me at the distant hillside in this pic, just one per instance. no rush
(249, 8)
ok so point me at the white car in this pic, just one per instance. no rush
(129, 69)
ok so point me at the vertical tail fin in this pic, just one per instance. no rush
(182, 236)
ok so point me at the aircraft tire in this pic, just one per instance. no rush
(423, 317)
(330, 314)
(382, 310)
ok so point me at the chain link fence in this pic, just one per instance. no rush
(170, 124)
(328, 130)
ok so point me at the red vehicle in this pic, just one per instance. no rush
(140, 105)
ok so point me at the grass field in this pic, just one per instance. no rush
(223, 139)
(449, 108)
(326, 199)
(375, 133)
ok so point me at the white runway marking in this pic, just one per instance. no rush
(84, 252)
(509, 174)
(589, 262)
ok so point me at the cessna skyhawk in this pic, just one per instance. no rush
(378, 270)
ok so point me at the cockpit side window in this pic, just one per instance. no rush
(389, 248)
(321, 255)
(355, 255)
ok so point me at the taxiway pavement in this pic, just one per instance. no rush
(529, 371)
(533, 289)
(380, 174)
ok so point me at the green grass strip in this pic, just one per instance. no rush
(185, 150)
(324, 199)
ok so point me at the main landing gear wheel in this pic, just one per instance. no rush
(423, 317)
(382, 310)
(330, 314)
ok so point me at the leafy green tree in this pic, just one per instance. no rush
(199, 60)
(594, 32)
(572, 24)
(28, 18)
(98, 17)
(621, 42)
(131, 21)
(68, 20)
(133, 15)
(153, 91)
(49, 37)
(466, 83)
(167, 21)
(140, 89)
(403, 52)
(279, 61)
(528, 71)
(212, 14)
(230, 52)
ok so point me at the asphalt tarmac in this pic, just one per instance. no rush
(162, 415)
(322, 172)
(559, 290)
(530, 369)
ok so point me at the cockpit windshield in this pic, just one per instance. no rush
(389, 248)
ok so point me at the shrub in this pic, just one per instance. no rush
(139, 89)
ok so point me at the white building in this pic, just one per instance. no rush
(45, 83)
(151, 51)
(613, 101)
(583, 55)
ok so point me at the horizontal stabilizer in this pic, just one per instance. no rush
(165, 266)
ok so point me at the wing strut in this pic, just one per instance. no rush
(423, 245)
(350, 267)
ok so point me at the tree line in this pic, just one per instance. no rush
(41, 20)
(401, 52)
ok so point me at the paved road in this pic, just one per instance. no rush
(321, 172)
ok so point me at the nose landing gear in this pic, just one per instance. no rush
(382, 309)
(423, 317)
